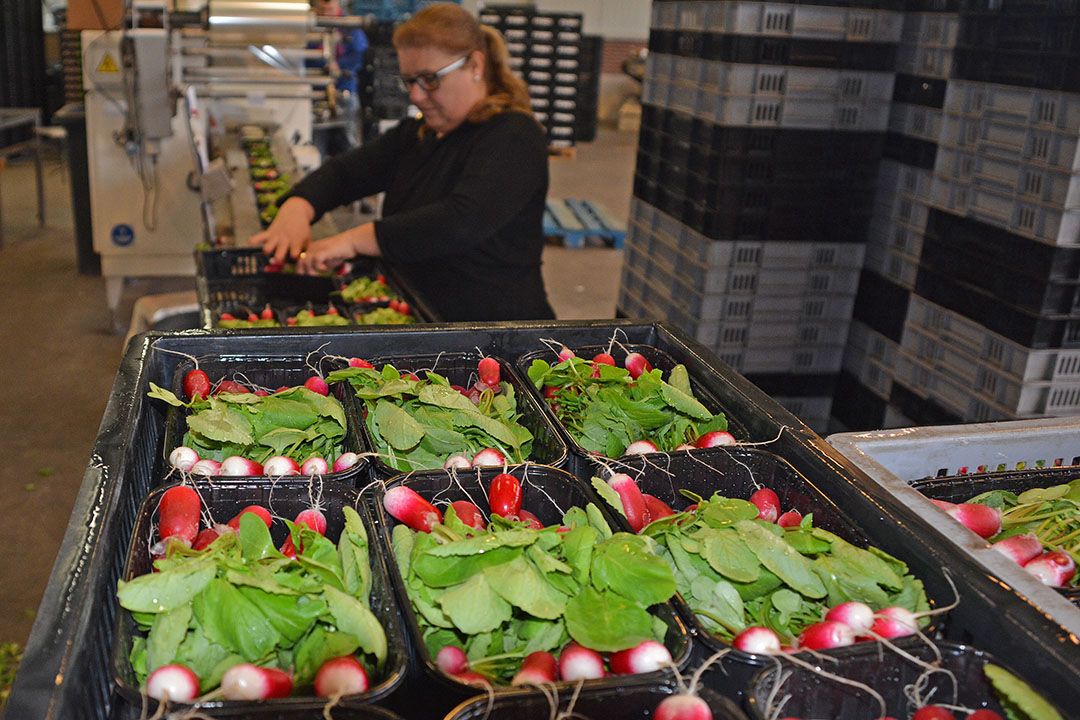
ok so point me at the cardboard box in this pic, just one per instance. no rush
(95, 14)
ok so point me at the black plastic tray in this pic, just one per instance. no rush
(285, 499)
(581, 460)
(816, 696)
(731, 471)
(959, 489)
(270, 373)
(547, 492)
(548, 446)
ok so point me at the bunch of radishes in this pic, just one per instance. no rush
(504, 499)
(197, 385)
(187, 460)
(711, 439)
(936, 712)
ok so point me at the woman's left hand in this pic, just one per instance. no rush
(326, 254)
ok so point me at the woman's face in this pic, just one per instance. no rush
(459, 89)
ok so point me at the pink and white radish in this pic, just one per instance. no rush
(236, 466)
(790, 519)
(685, 446)
(470, 677)
(452, 660)
(178, 514)
(345, 461)
(406, 506)
(317, 385)
(251, 682)
(982, 520)
(489, 457)
(826, 635)
(314, 465)
(856, 615)
(636, 365)
(894, 622)
(1020, 548)
(360, 363)
(757, 640)
(1054, 568)
(683, 707)
(647, 656)
(565, 353)
(279, 466)
(183, 458)
(457, 461)
(206, 467)
(257, 510)
(341, 676)
(603, 359)
(767, 503)
(715, 438)
(640, 447)
(537, 668)
(633, 502)
(173, 683)
(580, 663)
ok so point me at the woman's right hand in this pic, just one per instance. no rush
(290, 232)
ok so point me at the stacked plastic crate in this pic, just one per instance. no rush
(762, 130)
(381, 96)
(546, 51)
(975, 241)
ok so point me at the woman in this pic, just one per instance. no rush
(465, 183)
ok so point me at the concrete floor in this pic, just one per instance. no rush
(62, 348)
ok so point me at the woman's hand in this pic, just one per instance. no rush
(289, 233)
(328, 253)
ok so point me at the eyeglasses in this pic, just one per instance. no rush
(429, 81)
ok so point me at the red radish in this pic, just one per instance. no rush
(757, 640)
(549, 391)
(231, 387)
(472, 678)
(236, 466)
(251, 682)
(227, 316)
(314, 465)
(452, 660)
(603, 359)
(175, 683)
(790, 519)
(640, 447)
(178, 514)
(933, 712)
(469, 514)
(536, 669)
(685, 446)
(489, 457)
(1053, 568)
(261, 393)
(489, 372)
(656, 507)
(405, 505)
(683, 707)
(634, 507)
(984, 715)
(359, 363)
(530, 520)
(331, 310)
(504, 495)
(403, 308)
(288, 549)
(345, 461)
(341, 676)
(257, 510)
(1020, 548)
(577, 662)
(566, 353)
(183, 458)
(267, 313)
(715, 438)
(317, 385)
(457, 461)
(826, 635)
(982, 520)
(313, 519)
(474, 396)
(856, 615)
(252, 317)
(768, 504)
(894, 622)
(205, 538)
(206, 467)
(280, 465)
(647, 656)
(410, 376)
(196, 383)
(290, 321)
(636, 364)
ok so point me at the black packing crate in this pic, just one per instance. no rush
(547, 493)
(285, 499)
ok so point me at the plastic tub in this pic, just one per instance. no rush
(285, 499)
(547, 492)
(269, 373)
(460, 369)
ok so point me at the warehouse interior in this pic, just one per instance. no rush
(870, 213)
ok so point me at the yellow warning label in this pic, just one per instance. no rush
(107, 64)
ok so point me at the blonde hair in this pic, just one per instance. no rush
(450, 28)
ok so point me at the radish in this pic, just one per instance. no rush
(603, 359)
(178, 514)
(452, 660)
(685, 446)
(207, 467)
(231, 387)
(530, 520)
(226, 316)
(636, 364)
(856, 615)
(716, 438)
(267, 312)
(768, 504)
(566, 353)
(280, 465)
(549, 391)
(577, 663)
(894, 622)
(984, 715)
(647, 656)
(345, 461)
(317, 385)
(183, 458)
(236, 466)
(683, 707)
(251, 682)
(196, 384)
(826, 635)
(469, 514)
(1053, 568)
(489, 457)
(982, 520)
(457, 461)
(257, 510)
(261, 393)
(472, 678)
(341, 676)
(933, 712)
(489, 372)
(757, 640)
(1021, 548)
(634, 507)
(359, 363)
(313, 519)
(536, 669)
(504, 495)
(314, 465)
(205, 538)
(656, 507)
(640, 447)
(406, 506)
(173, 683)
(790, 519)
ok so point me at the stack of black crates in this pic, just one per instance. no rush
(381, 97)
(549, 52)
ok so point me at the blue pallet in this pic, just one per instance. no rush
(575, 220)
(389, 10)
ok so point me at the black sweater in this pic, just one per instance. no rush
(462, 216)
